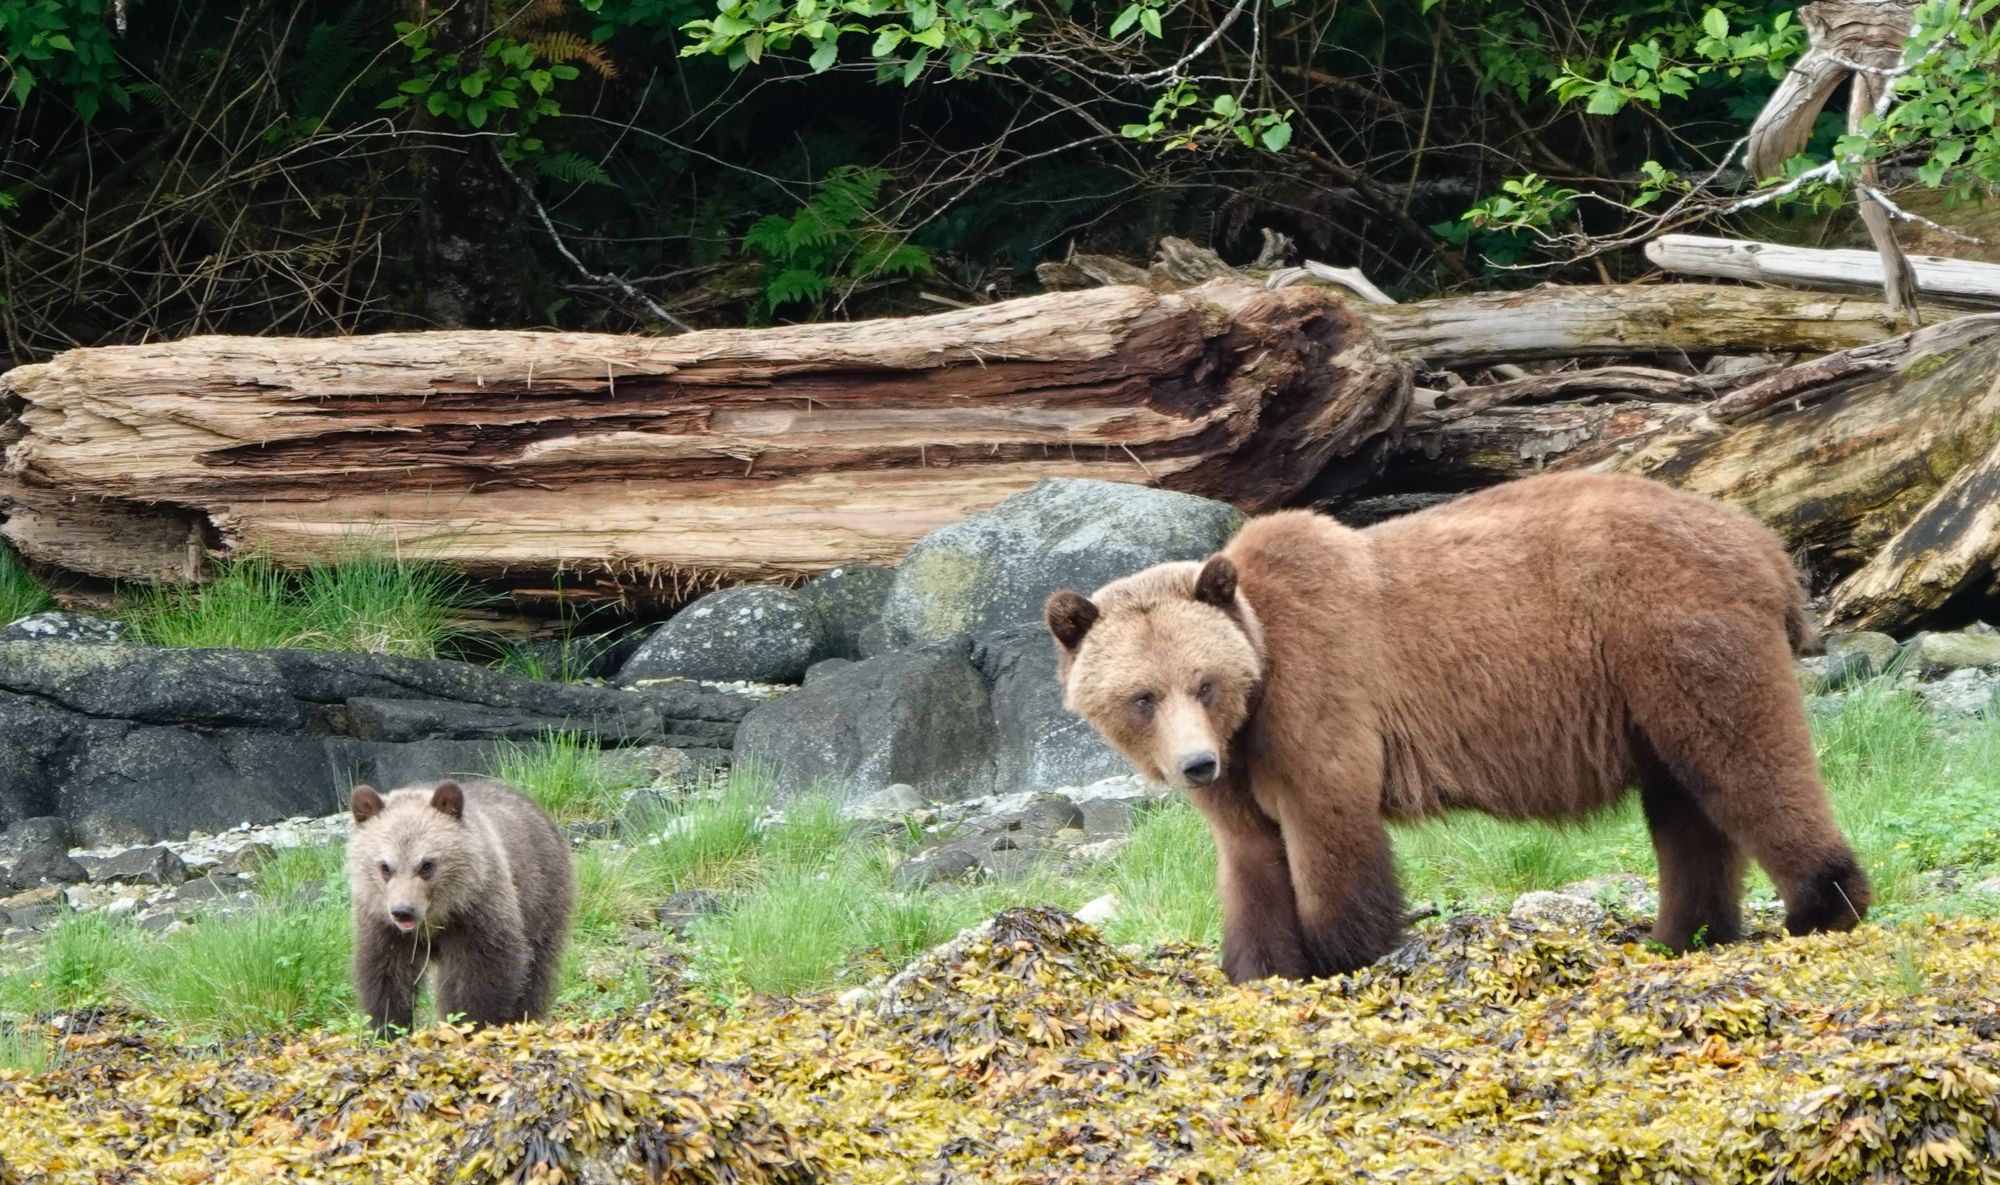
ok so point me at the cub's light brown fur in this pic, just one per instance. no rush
(1530, 651)
(469, 877)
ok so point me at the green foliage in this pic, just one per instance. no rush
(508, 84)
(573, 780)
(705, 839)
(833, 242)
(1179, 120)
(901, 34)
(20, 593)
(82, 961)
(63, 46)
(1946, 104)
(367, 602)
(274, 969)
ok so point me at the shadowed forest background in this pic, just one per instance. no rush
(313, 167)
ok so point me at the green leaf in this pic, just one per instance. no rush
(1277, 136)
(1715, 23)
(915, 66)
(1605, 100)
(887, 40)
(823, 56)
(1137, 131)
(932, 37)
(1149, 20)
(922, 16)
(505, 99)
(1125, 20)
(436, 102)
(475, 113)
(58, 41)
(472, 84)
(1225, 106)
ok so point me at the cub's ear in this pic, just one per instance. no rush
(1217, 583)
(449, 797)
(1070, 615)
(364, 802)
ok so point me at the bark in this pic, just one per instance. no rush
(1957, 280)
(663, 465)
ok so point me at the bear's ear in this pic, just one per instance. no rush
(449, 797)
(364, 802)
(1070, 615)
(1217, 583)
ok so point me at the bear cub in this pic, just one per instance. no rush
(470, 878)
(1530, 651)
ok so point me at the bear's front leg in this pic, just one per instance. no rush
(1260, 924)
(482, 971)
(1350, 908)
(387, 966)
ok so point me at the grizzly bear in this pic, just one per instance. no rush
(1530, 651)
(470, 877)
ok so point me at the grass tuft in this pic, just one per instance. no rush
(568, 775)
(20, 594)
(369, 603)
(271, 970)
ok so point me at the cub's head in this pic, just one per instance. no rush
(1164, 663)
(410, 857)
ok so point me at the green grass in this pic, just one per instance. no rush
(20, 595)
(812, 905)
(566, 773)
(23, 1049)
(366, 602)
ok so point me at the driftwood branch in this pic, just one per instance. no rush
(1961, 281)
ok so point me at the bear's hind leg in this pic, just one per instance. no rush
(1701, 869)
(1723, 712)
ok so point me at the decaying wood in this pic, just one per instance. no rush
(1632, 319)
(1877, 465)
(1624, 384)
(668, 463)
(1859, 42)
(1447, 451)
(1959, 281)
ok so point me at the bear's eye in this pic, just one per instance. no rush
(1143, 703)
(1205, 691)
(387, 871)
(426, 868)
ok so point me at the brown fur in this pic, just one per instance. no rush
(482, 877)
(1530, 651)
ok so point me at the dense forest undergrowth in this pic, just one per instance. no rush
(299, 166)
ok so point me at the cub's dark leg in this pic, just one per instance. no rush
(1701, 869)
(1344, 874)
(482, 972)
(387, 966)
(1260, 925)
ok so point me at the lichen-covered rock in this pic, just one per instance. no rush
(992, 571)
(1932, 654)
(849, 602)
(62, 626)
(759, 633)
(1876, 650)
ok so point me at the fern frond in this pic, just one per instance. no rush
(561, 45)
(573, 169)
(768, 236)
(794, 284)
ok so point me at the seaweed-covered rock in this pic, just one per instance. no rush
(992, 571)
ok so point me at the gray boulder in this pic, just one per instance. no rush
(1876, 650)
(849, 600)
(36, 852)
(1039, 743)
(1932, 654)
(58, 625)
(153, 865)
(991, 572)
(759, 633)
(920, 717)
(135, 744)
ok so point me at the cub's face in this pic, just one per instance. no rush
(406, 852)
(1164, 664)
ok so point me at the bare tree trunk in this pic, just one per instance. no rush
(661, 465)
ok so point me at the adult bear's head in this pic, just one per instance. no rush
(1164, 663)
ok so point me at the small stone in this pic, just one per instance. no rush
(1099, 911)
(154, 865)
(28, 898)
(159, 921)
(1931, 654)
(1107, 818)
(680, 911)
(57, 625)
(891, 802)
(1102, 850)
(1624, 894)
(950, 863)
(248, 860)
(656, 764)
(581, 833)
(857, 999)
(1556, 910)
(33, 917)
(1878, 650)
(213, 887)
(1990, 886)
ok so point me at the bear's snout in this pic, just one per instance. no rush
(405, 916)
(1200, 768)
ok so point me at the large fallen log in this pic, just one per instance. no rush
(1881, 465)
(664, 465)
(1964, 281)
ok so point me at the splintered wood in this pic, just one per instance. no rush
(658, 465)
